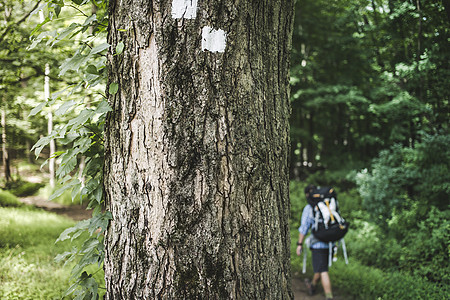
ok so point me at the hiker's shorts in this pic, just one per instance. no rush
(320, 260)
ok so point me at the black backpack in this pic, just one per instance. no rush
(329, 226)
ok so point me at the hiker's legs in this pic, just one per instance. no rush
(315, 279)
(326, 283)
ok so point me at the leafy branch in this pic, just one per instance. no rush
(83, 136)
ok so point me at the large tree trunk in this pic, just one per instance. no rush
(196, 170)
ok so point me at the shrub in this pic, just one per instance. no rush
(298, 201)
(8, 200)
(25, 189)
(402, 175)
(420, 250)
(365, 282)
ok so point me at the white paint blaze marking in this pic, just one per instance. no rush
(184, 9)
(213, 40)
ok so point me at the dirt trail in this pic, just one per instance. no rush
(74, 212)
(301, 292)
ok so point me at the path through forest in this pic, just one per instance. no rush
(79, 212)
(74, 212)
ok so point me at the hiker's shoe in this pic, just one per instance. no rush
(330, 298)
(311, 288)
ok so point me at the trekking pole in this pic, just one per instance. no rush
(304, 261)
(344, 249)
(330, 253)
(307, 244)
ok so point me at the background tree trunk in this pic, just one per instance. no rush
(51, 160)
(5, 157)
(196, 171)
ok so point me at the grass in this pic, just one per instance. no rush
(27, 251)
(8, 200)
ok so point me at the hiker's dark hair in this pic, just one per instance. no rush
(308, 189)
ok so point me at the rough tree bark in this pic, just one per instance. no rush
(197, 146)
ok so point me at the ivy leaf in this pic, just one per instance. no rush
(113, 88)
(119, 48)
(91, 69)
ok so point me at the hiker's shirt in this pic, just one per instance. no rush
(306, 224)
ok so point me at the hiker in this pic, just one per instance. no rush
(319, 250)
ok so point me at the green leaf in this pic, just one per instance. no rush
(98, 194)
(90, 19)
(79, 227)
(89, 245)
(73, 63)
(37, 109)
(57, 10)
(63, 256)
(67, 31)
(39, 26)
(119, 48)
(81, 119)
(113, 88)
(91, 69)
(61, 190)
(67, 167)
(93, 166)
(82, 143)
(103, 107)
(64, 107)
(99, 48)
(43, 141)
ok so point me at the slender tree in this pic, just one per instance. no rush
(196, 161)
(5, 157)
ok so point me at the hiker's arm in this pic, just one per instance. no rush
(306, 223)
(301, 238)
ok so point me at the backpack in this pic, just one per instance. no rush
(329, 226)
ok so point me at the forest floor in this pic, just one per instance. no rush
(79, 212)
(74, 212)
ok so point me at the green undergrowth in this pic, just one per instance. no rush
(8, 200)
(365, 282)
(27, 254)
(359, 279)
